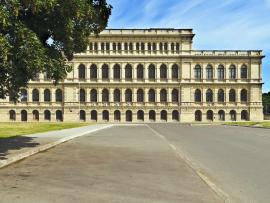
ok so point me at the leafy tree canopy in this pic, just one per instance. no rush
(266, 98)
(42, 36)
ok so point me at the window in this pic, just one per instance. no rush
(221, 72)
(82, 115)
(221, 115)
(198, 115)
(23, 96)
(47, 115)
(128, 95)
(209, 95)
(23, 115)
(35, 95)
(47, 95)
(140, 95)
(105, 115)
(35, 115)
(81, 72)
(105, 95)
(220, 95)
(105, 72)
(58, 95)
(93, 115)
(142, 46)
(119, 47)
(82, 95)
(149, 46)
(151, 95)
(175, 71)
(175, 95)
(12, 115)
(244, 72)
(93, 95)
(232, 71)
(154, 46)
(126, 46)
(233, 115)
(198, 72)
(140, 73)
(116, 72)
(140, 115)
(244, 115)
(59, 115)
(114, 47)
(166, 46)
(177, 47)
(209, 115)
(243, 95)
(175, 115)
(163, 95)
(163, 72)
(93, 72)
(116, 95)
(137, 46)
(209, 72)
(198, 95)
(152, 72)
(129, 116)
(172, 47)
(163, 115)
(160, 46)
(117, 115)
(152, 115)
(232, 96)
(128, 72)
(96, 46)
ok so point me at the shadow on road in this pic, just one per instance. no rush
(15, 143)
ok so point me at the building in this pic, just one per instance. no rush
(147, 75)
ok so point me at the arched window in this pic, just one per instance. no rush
(129, 116)
(138, 46)
(142, 47)
(209, 95)
(82, 115)
(47, 95)
(128, 72)
(119, 47)
(130, 46)
(93, 95)
(105, 115)
(221, 95)
(221, 115)
(58, 95)
(126, 46)
(116, 72)
(163, 72)
(140, 73)
(23, 95)
(163, 115)
(232, 71)
(198, 95)
(96, 46)
(198, 115)
(149, 46)
(114, 47)
(35, 95)
(161, 46)
(232, 95)
(209, 115)
(12, 115)
(81, 72)
(198, 72)
(59, 116)
(35, 115)
(172, 47)
(221, 72)
(140, 115)
(163, 95)
(93, 72)
(151, 95)
(93, 115)
(152, 115)
(154, 47)
(47, 115)
(166, 46)
(175, 115)
(117, 115)
(116, 95)
(243, 95)
(82, 95)
(105, 95)
(244, 72)
(140, 95)
(244, 115)
(128, 95)
(175, 72)
(151, 72)
(23, 115)
(105, 72)
(233, 115)
(175, 95)
(209, 72)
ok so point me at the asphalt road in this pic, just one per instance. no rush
(236, 159)
(120, 164)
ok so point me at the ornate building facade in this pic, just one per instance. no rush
(141, 75)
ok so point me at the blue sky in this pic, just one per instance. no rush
(218, 24)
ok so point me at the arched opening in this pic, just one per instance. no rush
(128, 72)
(128, 95)
(221, 72)
(58, 95)
(23, 115)
(175, 72)
(244, 115)
(152, 115)
(209, 95)
(82, 115)
(93, 72)
(175, 95)
(105, 95)
(243, 95)
(35, 95)
(23, 95)
(105, 72)
(163, 115)
(93, 95)
(12, 115)
(232, 72)
(244, 72)
(175, 115)
(59, 116)
(47, 95)
(198, 115)
(209, 72)
(151, 72)
(163, 72)
(117, 115)
(35, 115)
(140, 71)
(94, 115)
(81, 72)
(82, 95)
(105, 115)
(232, 95)
(198, 95)
(129, 116)
(221, 115)
(163, 95)
(116, 72)
(140, 95)
(210, 115)
(151, 95)
(198, 72)
(233, 115)
(47, 115)
(221, 95)
(140, 115)
(116, 95)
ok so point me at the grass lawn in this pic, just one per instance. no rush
(265, 124)
(17, 129)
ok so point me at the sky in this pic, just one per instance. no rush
(218, 24)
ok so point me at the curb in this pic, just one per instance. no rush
(16, 158)
(246, 126)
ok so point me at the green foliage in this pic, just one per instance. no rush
(27, 27)
(266, 98)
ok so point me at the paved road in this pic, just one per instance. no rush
(237, 159)
(121, 164)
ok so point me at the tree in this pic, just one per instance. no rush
(42, 36)
(266, 102)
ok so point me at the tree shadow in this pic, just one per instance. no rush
(15, 143)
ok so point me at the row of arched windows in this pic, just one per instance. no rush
(128, 72)
(35, 114)
(221, 95)
(36, 95)
(221, 115)
(220, 72)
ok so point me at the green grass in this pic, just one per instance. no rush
(265, 124)
(17, 129)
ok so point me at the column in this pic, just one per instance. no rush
(145, 72)
(110, 72)
(99, 96)
(123, 72)
(158, 72)
(134, 73)
(99, 72)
